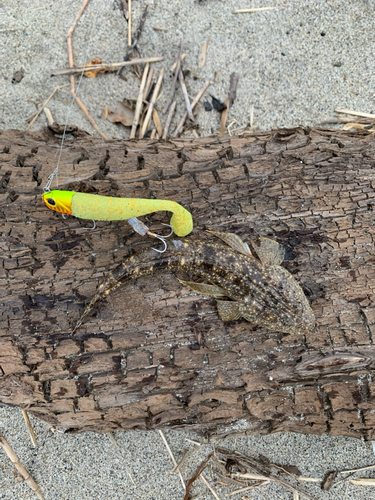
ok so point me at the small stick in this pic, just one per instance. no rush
(194, 442)
(91, 120)
(357, 470)
(153, 133)
(156, 119)
(27, 420)
(138, 107)
(173, 459)
(178, 466)
(203, 58)
(224, 116)
(169, 119)
(193, 104)
(130, 23)
(209, 487)
(176, 73)
(124, 6)
(50, 119)
(136, 36)
(197, 473)
(186, 97)
(35, 116)
(174, 65)
(247, 488)
(152, 103)
(148, 84)
(252, 118)
(71, 65)
(70, 47)
(355, 113)
(109, 67)
(234, 78)
(20, 468)
(112, 438)
(243, 11)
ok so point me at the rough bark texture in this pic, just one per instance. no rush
(155, 354)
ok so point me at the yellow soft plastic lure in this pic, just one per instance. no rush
(95, 207)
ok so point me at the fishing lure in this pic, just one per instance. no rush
(96, 207)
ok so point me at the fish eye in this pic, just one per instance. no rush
(51, 201)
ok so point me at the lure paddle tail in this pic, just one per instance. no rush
(96, 207)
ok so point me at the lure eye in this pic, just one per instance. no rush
(51, 201)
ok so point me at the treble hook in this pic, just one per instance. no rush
(161, 238)
(170, 234)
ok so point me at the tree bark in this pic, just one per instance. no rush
(155, 355)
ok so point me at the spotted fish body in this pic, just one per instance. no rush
(259, 289)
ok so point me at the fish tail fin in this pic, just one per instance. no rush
(132, 267)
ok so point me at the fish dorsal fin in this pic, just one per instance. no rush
(234, 242)
(269, 252)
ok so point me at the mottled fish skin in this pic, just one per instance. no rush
(266, 295)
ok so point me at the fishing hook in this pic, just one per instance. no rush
(91, 228)
(161, 239)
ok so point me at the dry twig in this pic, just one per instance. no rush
(259, 470)
(71, 65)
(358, 470)
(108, 67)
(176, 73)
(129, 23)
(364, 481)
(197, 473)
(20, 468)
(137, 33)
(124, 6)
(70, 46)
(355, 113)
(203, 58)
(247, 488)
(112, 438)
(172, 457)
(209, 487)
(157, 122)
(148, 84)
(35, 116)
(152, 103)
(193, 104)
(234, 78)
(186, 97)
(29, 426)
(258, 9)
(139, 105)
(169, 119)
(224, 117)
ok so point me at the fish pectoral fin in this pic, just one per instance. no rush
(270, 253)
(214, 290)
(228, 311)
(234, 242)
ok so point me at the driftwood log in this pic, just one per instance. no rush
(156, 355)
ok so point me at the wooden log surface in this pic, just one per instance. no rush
(155, 354)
